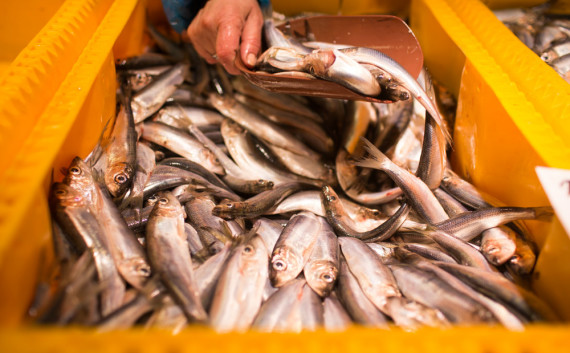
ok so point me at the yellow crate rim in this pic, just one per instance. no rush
(541, 110)
(32, 162)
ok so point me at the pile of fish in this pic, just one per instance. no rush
(211, 201)
(547, 35)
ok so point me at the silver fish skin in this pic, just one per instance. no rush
(312, 133)
(259, 126)
(128, 254)
(239, 291)
(349, 181)
(310, 310)
(181, 117)
(321, 269)
(75, 218)
(168, 253)
(468, 225)
(464, 191)
(285, 102)
(120, 152)
(464, 253)
(331, 65)
(269, 231)
(199, 214)
(257, 205)
(429, 252)
(188, 165)
(375, 278)
(148, 100)
(334, 65)
(146, 161)
(293, 248)
(336, 319)
(501, 289)
(166, 177)
(182, 144)
(359, 307)
(498, 245)
(248, 157)
(411, 315)
(208, 273)
(280, 313)
(304, 166)
(364, 219)
(235, 176)
(451, 205)
(386, 251)
(343, 225)
(418, 193)
(433, 159)
(384, 62)
(432, 291)
(195, 245)
(500, 312)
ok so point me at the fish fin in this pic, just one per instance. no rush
(220, 235)
(367, 155)
(543, 213)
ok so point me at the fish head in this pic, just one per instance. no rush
(80, 177)
(321, 276)
(318, 62)
(118, 178)
(330, 199)
(285, 266)
(167, 205)
(251, 253)
(63, 195)
(225, 209)
(498, 250)
(135, 270)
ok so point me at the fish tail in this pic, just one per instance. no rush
(543, 213)
(367, 155)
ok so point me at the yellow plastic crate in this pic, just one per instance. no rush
(55, 96)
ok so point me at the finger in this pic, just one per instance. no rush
(203, 39)
(251, 37)
(227, 44)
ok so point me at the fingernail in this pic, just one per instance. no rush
(251, 59)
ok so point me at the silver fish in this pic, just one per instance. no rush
(239, 292)
(182, 144)
(149, 99)
(321, 269)
(293, 248)
(418, 193)
(375, 278)
(168, 253)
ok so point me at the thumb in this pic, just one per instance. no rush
(251, 37)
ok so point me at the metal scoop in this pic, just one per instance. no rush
(388, 34)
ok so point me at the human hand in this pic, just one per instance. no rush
(224, 26)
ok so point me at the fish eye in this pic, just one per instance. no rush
(75, 170)
(248, 249)
(328, 278)
(120, 178)
(332, 198)
(60, 192)
(163, 200)
(279, 265)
